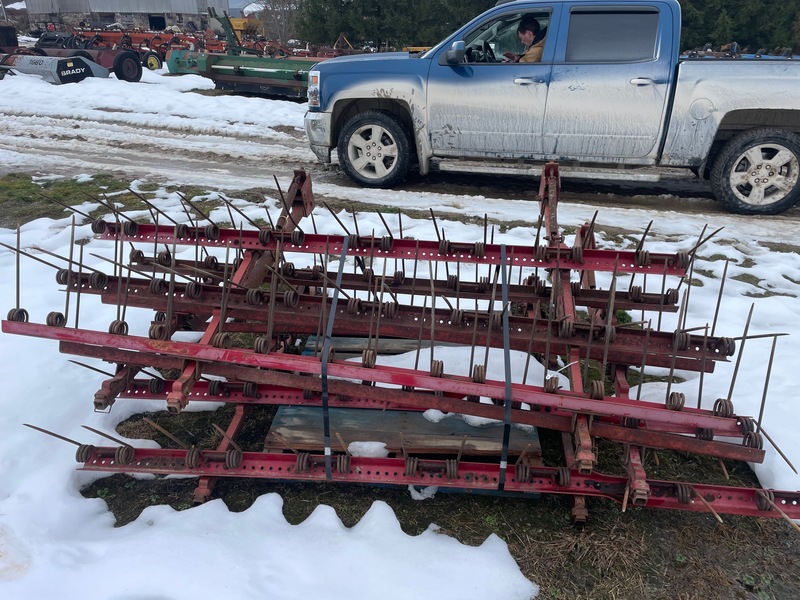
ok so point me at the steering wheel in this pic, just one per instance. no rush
(488, 53)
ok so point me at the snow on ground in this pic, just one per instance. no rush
(53, 542)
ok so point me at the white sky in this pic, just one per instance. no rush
(55, 543)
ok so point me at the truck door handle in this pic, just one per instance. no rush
(643, 81)
(526, 80)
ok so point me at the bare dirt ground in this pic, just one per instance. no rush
(69, 146)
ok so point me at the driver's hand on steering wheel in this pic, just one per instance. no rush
(510, 57)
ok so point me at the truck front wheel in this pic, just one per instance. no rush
(756, 173)
(375, 150)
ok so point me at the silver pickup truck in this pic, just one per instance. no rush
(609, 93)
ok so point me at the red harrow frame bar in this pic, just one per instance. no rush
(260, 292)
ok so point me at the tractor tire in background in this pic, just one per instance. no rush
(152, 60)
(128, 66)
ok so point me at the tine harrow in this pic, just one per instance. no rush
(541, 300)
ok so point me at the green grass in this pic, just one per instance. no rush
(23, 200)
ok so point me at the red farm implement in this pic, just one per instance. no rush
(282, 288)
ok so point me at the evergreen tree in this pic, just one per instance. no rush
(753, 24)
(393, 23)
(723, 28)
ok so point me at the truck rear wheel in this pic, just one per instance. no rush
(375, 150)
(756, 173)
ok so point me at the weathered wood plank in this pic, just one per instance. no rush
(301, 427)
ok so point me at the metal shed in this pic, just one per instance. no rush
(148, 14)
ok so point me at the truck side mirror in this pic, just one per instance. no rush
(455, 55)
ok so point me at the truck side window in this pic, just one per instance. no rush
(612, 36)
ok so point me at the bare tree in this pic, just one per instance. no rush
(279, 17)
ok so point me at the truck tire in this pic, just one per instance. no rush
(375, 149)
(128, 66)
(756, 173)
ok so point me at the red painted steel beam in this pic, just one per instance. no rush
(546, 418)
(627, 347)
(518, 256)
(272, 394)
(471, 476)
(467, 290)
(463, 386)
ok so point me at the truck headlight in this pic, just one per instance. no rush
(313, 88)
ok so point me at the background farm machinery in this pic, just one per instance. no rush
(521, 335)
(124, 63)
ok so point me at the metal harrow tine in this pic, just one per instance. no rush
(54, 255)
(108, 437)
(226, 436)
(719, 297)
(702, 241)
(156, 209)
(333, 214)
(207, 217)
(192, 221)
(530, 343)
(706, 503)
(682, 324)
(741, 351)
(78, 293)
(421, 329)
(91, 368)
(16, 270)
(766, 382)
(63, 204)
(160, 429)
(31, 256)
(355, 225)
(137, 271)
(609, 319)
(435, 226)
(777, 448)
(113, 209)
(639, 247)
(702, 368)
(230, 206)
(226, 281)
(50, 433)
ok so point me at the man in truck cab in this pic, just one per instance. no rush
(532, 36)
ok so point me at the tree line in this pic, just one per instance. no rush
(393, 24)
(753, 24)
(384, 23)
